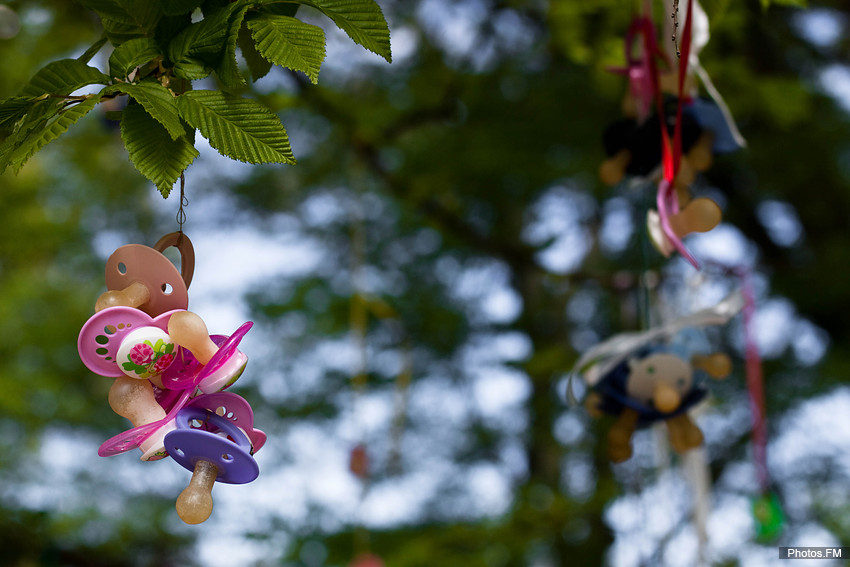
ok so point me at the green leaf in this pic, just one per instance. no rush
(131, 17)
(257, 64)
(157, 101)
(63, 77)
(169, 26)
(192, 69)
(92, 51)
(35, 119)
(151, 149)
(240, 128)
(204, 37)
(131, 54)
(119, 32)
(362, 20)
(765, 4)
(228, 69)
(282, 9)
(13, 109)
(54, 128)
(289, 42)
(176, 7)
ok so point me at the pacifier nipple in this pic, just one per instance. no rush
(195, 503)
(613, 169)
(135, 295)
(666, 398)
(717, 365)
(189, 331)
(700, 215)
(135, 400)
(700, 155)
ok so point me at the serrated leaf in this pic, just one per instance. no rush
(192, 69)
(240, 128)
(13, 109)
(281, 9)
(131, 54)
(92, 51)
(54, 128)
(176, 7)
(257, 64)
(35, 119)
(362, 20)
(151, 149)
(120, 32)
(205, 36)
(63, 77)
(157, 101)
(228, 69)
(289, 42)
(131, 16)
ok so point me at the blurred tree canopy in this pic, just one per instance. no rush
(449, 252)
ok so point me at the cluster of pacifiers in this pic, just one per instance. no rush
(170, 373)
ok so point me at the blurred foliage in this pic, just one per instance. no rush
(428, 186)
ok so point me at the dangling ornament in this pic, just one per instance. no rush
(168, 368)
(643, 378)
(678, 140)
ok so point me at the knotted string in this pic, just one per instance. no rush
(181, 213)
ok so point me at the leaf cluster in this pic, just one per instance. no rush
(159, 48)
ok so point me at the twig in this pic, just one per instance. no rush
(675, 16)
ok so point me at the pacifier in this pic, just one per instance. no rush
(698, 215)
(139, 403)
(214, 448)
(144, 278)
(119, 341)
(136, 400)
(209, 362)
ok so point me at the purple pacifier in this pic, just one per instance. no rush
(196, 439)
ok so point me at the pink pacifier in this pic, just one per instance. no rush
(120, 341)
(234, 408)
(214, 448)
(143, 277)
(140, 407)
(222, 369)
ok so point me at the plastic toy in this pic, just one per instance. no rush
(212, 440)
(654, 385)
(166, 367)
(642, 378)
(675, 142)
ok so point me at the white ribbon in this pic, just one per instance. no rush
(597, 361)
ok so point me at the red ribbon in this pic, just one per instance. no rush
(755, 381)
(671, 149)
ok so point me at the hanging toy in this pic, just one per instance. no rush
(676, 142)
(214, 439)
(168, 369)
(633, 143)
(641, 379)
(654, 384)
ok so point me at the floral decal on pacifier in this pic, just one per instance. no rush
(148, 358)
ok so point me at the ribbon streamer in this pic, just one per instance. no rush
(597, 361)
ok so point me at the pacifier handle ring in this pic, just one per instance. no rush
(189, 413)
(187, 253)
